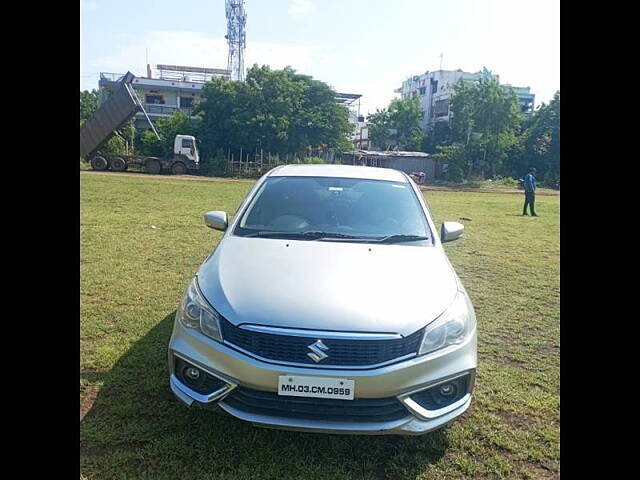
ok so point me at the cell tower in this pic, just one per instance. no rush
(236, 21)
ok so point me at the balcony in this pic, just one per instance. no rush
(154, 109)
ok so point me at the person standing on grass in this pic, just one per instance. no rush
(530, 192)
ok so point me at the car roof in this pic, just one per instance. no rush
(339, 171)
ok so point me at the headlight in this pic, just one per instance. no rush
(195, 312)
(453, 326)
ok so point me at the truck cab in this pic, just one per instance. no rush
(185, 145)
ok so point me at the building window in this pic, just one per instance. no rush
(154, 99)
(186, 102)
(423, 90)
(441, 108)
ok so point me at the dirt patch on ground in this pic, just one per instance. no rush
(170, 177)
(425, 188)
(485, 190)
(516, 420)
(537, 470)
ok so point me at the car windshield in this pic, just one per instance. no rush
(338, 209)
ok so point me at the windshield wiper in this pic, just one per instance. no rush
(309, 235)
(276, 234)
(331, 235)
(402, 238)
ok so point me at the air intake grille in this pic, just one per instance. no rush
(363, 410)
(341, 352)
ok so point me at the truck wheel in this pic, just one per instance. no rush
(118, 164)
(153, 167)
(178, 168)
(99, 163)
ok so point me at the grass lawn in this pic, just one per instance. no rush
(142, 239)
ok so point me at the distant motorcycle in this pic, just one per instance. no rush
(418, 177)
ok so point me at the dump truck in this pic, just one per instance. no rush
(114, 114)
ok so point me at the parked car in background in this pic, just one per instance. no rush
(329, 305)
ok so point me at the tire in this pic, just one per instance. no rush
(99, 163)
(118, 164)
(178, 168)
(153, 167)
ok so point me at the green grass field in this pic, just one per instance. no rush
(142, 239)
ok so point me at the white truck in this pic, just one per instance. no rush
(112, 115)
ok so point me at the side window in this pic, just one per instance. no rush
(154, 99)
(187, 143)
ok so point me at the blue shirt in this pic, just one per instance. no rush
(529, 183)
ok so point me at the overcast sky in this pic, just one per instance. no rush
(356, 46)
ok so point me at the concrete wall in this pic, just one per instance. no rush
(413, 164)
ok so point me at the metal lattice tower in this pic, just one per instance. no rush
(236, 21)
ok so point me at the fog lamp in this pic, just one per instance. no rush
(448, 390)
(191, 373)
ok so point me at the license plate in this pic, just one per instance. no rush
(317, 387)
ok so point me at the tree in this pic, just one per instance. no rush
(485, 121)
(439, 135)
(542, 142)
(179, 123)
(279, 111)
(453, 156)
(88, 104)
(398, 126)
(380, 129)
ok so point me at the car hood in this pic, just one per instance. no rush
(321, 285)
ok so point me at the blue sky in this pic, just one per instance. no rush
(356, 46)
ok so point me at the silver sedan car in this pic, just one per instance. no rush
(329, 305)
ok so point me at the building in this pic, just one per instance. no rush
(361, 140)
(408, 162)
(172, 88)
(351, 101)
(434, 90)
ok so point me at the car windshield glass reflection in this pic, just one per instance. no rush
(336, 209)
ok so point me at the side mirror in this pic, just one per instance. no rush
(451, 231)
(216, 220)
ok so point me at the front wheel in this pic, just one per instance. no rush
(99, 163)
(153, 167)
(178, 168)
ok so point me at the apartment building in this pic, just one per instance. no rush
(434, 90)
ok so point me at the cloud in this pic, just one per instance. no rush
(300, 7)
(338, 69)
(199, 49)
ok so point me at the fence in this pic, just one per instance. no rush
(254, 164)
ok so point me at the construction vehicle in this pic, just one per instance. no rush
(112, 115)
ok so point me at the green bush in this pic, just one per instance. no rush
(115, 146)
(312, 160)
(215, 166)
(506, 182)
(453, 156)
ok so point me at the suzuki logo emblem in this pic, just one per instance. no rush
(317, 354)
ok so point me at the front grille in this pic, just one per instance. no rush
(341, 352)
(361, 410)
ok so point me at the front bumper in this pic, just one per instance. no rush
(399, 380)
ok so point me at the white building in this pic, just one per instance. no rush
(435, 88)
(172, 88)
